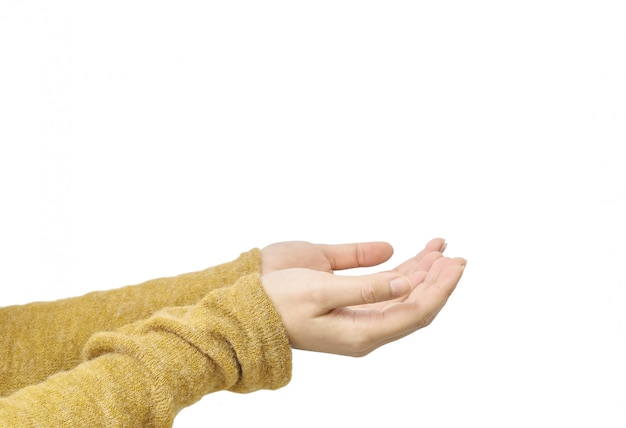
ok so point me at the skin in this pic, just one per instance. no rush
(353, 315)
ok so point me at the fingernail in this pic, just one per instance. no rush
(444, 246)
(400, 286)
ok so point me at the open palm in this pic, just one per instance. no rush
(353, 315)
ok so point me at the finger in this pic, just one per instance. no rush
(342, 291)
(364, 254)
(422, 260)
(438, 284)
(433, 278)
(422, 263)
(404, 318)
(436, 244)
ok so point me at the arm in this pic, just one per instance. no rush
(143, 374)
(39, 339)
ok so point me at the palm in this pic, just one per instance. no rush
(334, 314)
(418, 269)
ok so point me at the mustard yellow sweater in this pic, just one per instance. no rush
(136, 356)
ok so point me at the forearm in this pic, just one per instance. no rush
(145, 373)
(39, 339)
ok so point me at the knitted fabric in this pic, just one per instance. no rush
(148, 350)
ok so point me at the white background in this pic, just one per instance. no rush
(143, 139)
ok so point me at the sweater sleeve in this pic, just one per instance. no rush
(144, 373)
(43, 338)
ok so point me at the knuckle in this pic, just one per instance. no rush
(369, 293)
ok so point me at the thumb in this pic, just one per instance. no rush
(342, 291)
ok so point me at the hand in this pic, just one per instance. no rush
(353, 315)
(324, 258)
